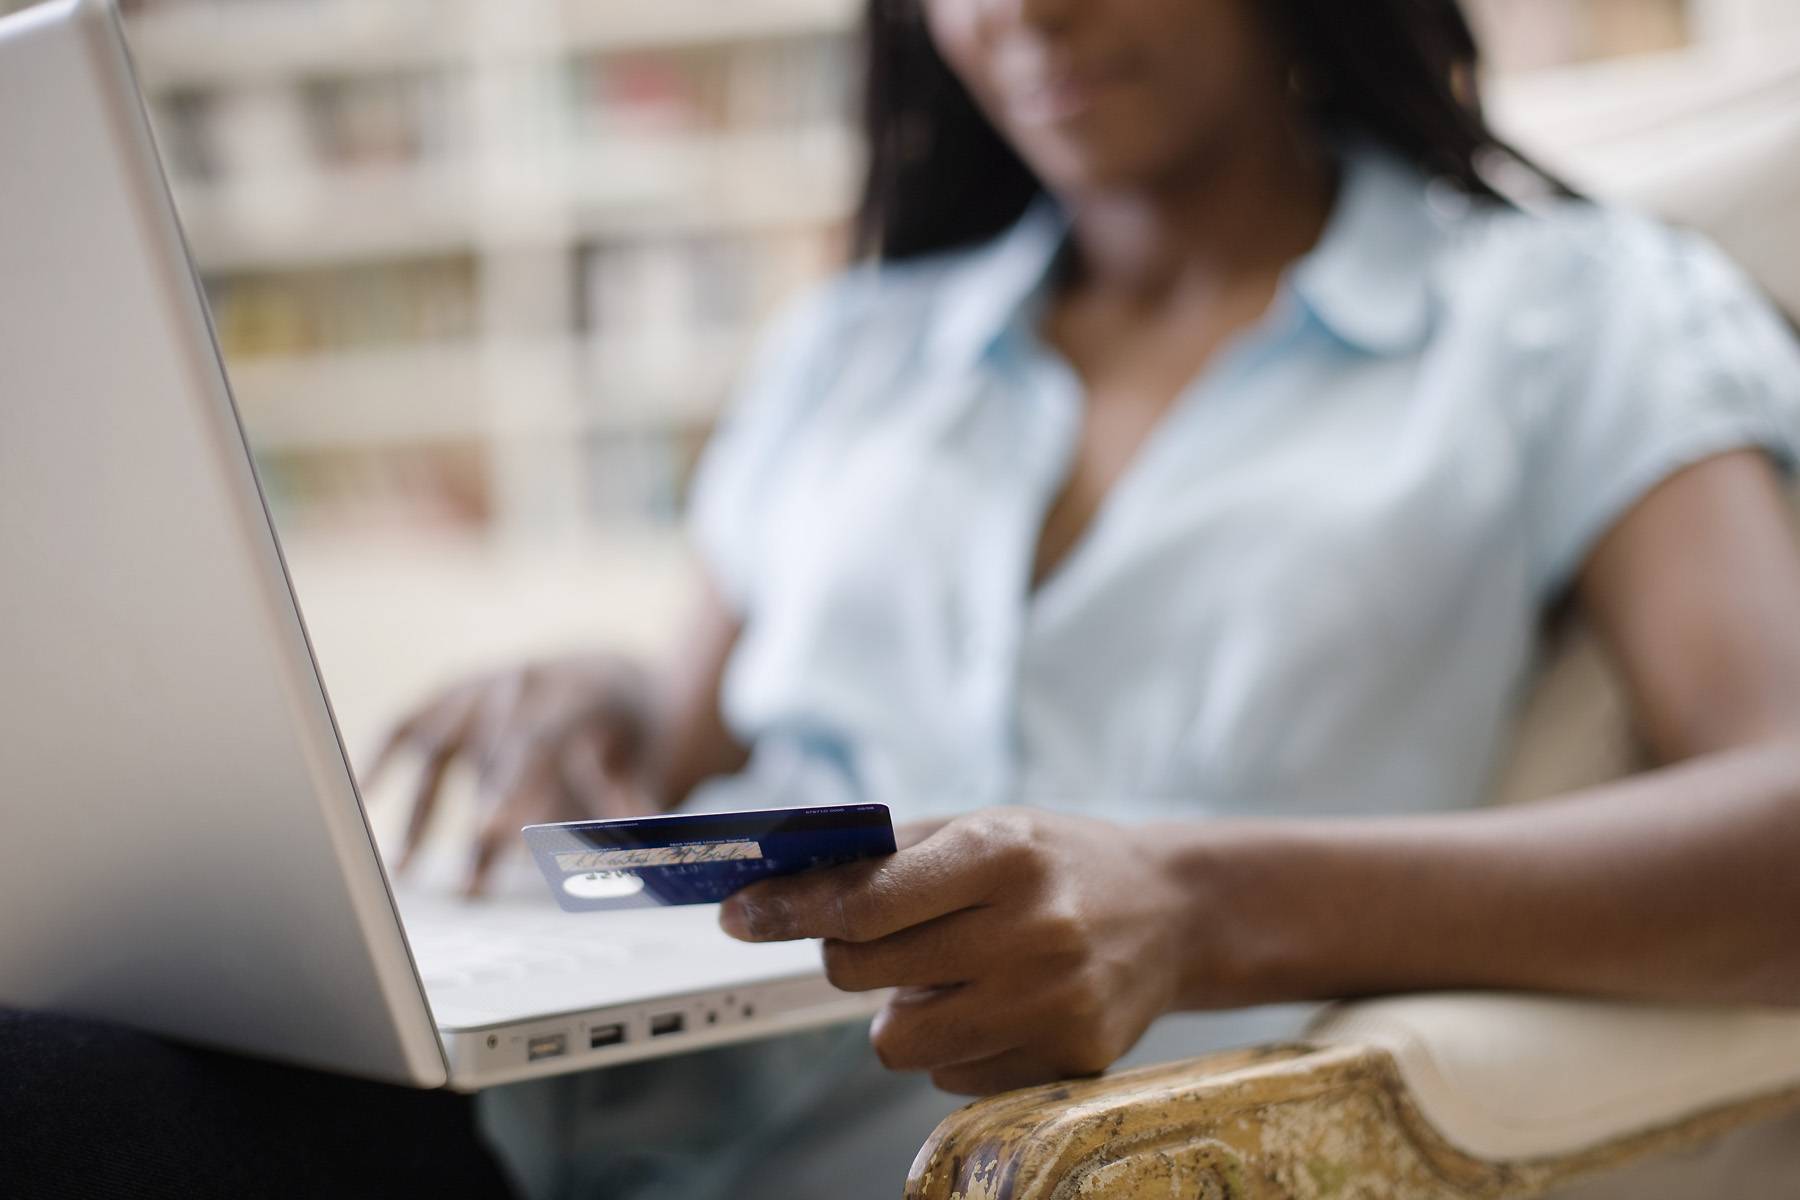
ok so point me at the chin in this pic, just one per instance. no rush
(1101, 167)
(1106, 151)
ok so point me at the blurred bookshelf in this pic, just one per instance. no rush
(492, 266)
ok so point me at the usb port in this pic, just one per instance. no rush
(605, 1035)
(548, 1046)
(667, 1023)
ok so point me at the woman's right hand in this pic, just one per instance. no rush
(558, 740)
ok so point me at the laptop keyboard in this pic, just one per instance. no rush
(458, 943)
(512, 958)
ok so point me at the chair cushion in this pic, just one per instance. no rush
(1506, 1076)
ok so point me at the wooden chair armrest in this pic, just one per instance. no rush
(1314, 1119)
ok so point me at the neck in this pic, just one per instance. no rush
(1248, 208)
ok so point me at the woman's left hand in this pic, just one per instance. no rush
(1026, 946)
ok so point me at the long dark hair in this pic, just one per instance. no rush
(939, 176)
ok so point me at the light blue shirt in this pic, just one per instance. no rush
(1316, 588)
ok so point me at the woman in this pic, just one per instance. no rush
(1186, 471)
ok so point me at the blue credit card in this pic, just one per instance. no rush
(699, 858)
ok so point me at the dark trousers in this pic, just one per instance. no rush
(93, 1110)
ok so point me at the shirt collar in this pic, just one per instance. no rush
(1365, 281)
(998, 286)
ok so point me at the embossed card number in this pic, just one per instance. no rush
(658, 856)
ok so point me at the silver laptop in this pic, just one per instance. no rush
(182, 845)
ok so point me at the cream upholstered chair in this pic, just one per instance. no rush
(1484, 1095)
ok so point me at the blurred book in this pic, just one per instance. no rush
(358, 492)
(331, 310)
(393, 119)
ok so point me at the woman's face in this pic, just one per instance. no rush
(1116, 93)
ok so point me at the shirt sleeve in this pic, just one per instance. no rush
(1680, 358)
(742, 460)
